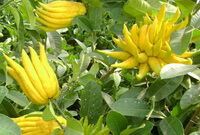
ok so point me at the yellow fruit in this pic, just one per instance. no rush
(157, 47)
(143, 70)
(30, 90)
(143, 31)
(118, 55)
(127, 64)
(64, 15)
(36, 125)
(30, 70)
(51, 25)
(154, 64)
(52, 76)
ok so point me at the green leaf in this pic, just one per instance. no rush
(185, 5)
(180, 40)
(20, 27)
(83, 22)
(48, 113)
(18, 98)
(117, 79)
(3, 92)
(91, 101)
(30, 13)
(61, 69)
(191, 96)
(74, 127)
(96, 18)
(54, 40)
(117, 29)
(94, 69)
(115, 11)
(163, 88)
(56, 131)
(116, 122)
(171, 126)
(8, 127)
(174, 70)
(145, 130)
(132, 93)
(84, 61)
(131, 107)
(8, 108)
(137, 8)
(108, 99)
(69, 98)
(76, 70)
(129, 130)
(195, 20)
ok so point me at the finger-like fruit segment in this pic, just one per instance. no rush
(134, 34)
(157, 48)
(118, 55)
(30, 90)
(154, 64)
(143, 31)
(42, 73)
(143, 70)
(64, 15)
(127, 64)
(55, 21)
(175, 59)
(51, 25)
(14, 74)
(53, 79)
(30, 70)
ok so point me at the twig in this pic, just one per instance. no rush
(59, 110)
(107, 74)
(190, 123)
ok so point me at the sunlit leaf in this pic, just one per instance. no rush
(175, 69)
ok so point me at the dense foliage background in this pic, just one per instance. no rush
(166, 105)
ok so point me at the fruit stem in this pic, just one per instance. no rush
(107, 74)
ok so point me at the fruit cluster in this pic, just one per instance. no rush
(147, 47)
(36, 78)
(35, 125)
(58, 14)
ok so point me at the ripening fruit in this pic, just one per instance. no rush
(35, 125)
(58, 14)
(36, 78)
(147, 46)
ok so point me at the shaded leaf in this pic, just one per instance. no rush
(163, 88)
(18, 98)
(116, 122)
(131, 107)
(95, 18)
(83, 22)
(171, 126)
(91, 101)
(3, 92)
(191, 96)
